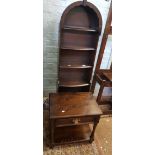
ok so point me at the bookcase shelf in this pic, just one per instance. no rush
(73, 84)
(78, 48)
(75, 66)
(71, 134)
(82, 29)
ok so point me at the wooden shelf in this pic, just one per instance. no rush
(82, 29)
(75, 66)
(73, 84)
(78, 48)
(72, 134)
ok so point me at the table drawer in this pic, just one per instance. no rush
(74, 121)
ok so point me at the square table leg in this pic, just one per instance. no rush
(52, 126)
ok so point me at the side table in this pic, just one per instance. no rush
(70, 116)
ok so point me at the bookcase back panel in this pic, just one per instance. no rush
(75, 75)
(82, 17)
(79, 39)
(84, 58)
(74, 89)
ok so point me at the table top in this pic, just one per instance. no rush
(64, 105)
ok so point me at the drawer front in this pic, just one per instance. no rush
(73, 121)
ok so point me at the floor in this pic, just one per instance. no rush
(103, 136)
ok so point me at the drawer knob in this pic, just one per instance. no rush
(76, 120)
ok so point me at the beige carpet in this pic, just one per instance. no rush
(103, 136)
(73, 149)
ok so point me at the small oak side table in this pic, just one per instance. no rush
(70, 117)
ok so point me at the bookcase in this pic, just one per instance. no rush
(80, 28)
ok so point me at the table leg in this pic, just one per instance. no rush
(52, 133)
(94, 127)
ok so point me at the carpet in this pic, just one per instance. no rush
(103, 135)
(72, 149)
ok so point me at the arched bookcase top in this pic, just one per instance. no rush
(85, 15)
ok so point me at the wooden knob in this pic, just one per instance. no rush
(76, 121)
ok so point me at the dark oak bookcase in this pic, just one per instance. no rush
(80, 28)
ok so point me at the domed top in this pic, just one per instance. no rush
(80, 14)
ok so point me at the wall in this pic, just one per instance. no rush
(52, 11)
